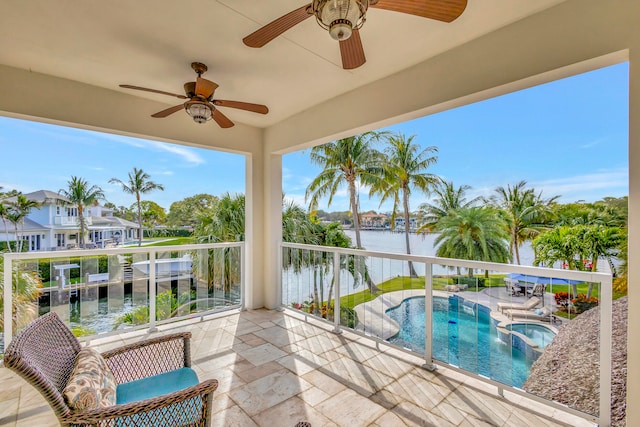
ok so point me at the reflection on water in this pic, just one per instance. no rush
(100, 318)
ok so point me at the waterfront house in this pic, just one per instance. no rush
(54, 225)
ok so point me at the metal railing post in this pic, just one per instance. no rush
(606, 297)
(336, 293)
(152, 290)
(8, 301)
(428, 318)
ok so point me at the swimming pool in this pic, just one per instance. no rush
(462, 336)
(539, 334)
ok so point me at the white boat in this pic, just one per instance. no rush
(167, 266)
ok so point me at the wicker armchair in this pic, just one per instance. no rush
(44, 353)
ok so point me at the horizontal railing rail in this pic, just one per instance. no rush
(335, 285)
(135, 286)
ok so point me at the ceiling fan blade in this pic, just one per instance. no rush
(205, 87)
(165, 113)
(255, 108)
(352, 51)
(222, 120)
(273, 29)
(441, 10)
(153, 91)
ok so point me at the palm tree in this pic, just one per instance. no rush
(4, 215)
(226, 224)
(448, 198)
(525, 213)
(16, 212)
(138, 183)
(565, 244)
(296, 225)
(473, 233)
(350, 160)
(404, 169)
(80, 193)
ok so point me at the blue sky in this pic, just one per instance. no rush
(41, 156)
(566, 138)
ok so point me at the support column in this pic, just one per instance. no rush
(272, 226)
(254, 211)
(633, 332)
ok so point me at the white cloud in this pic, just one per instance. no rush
(7, 186)
(581, 187)
(168, 173)
(594, 142)
(185, 153)
(298, 199)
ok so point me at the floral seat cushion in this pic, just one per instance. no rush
(92, 384)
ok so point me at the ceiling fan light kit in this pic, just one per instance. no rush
(199, 111)
(340, 17)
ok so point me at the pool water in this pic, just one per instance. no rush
(462, 336)
(539, 334)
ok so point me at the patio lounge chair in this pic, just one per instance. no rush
(538, 290)
(527, 305)
(543, 314)
(154, 384)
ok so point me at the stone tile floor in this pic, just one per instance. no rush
(275, 369)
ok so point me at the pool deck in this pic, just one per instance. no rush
(374, 320)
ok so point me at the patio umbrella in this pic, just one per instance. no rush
(539, 279)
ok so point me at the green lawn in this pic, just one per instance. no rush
(402, 283)
(171, 241)
(582, 289)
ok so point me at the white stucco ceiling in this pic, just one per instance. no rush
(151, 43)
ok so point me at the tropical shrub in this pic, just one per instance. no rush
(82, 331)
(166, 306)
(348, 316)
(472, 282)
(583, 303)
(26, 289)
(562, 298)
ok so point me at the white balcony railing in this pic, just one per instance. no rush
(97, 292)
(446, 315)
(70, 220)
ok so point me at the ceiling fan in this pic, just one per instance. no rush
(344, 18)
(200, 104)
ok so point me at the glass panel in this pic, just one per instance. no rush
(201, 273)
(119, 268)
(87, 300)
(235, 275)
(183, 270)
(26, 297)
(59, 286)
(140, 279)
(165, 300)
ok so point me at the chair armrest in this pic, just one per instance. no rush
(149, 357)
(193, 403)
